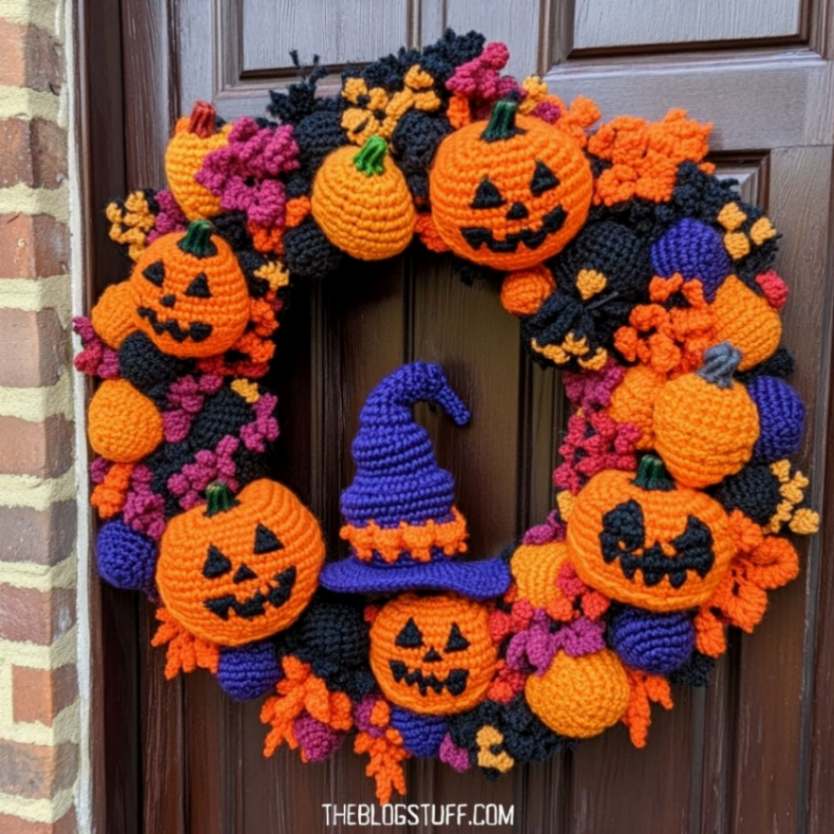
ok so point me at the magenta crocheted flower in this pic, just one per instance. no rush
(480, 80)
(170, 217)
(244, 173)
(95, 358)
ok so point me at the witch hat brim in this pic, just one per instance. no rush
(477, 580)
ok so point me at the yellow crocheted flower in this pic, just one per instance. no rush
(130, 222)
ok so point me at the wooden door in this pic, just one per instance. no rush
(750, 755)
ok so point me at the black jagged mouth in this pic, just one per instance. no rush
(197, 331)
(255, 606)
(477, 236)
(455, 682)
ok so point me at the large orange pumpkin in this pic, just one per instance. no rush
(240, 568)
(433, 654)
(190, 296)
(642, 541)
(511, 192)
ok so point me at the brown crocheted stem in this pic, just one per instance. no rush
(369, 160)
(219, 499)
(203, 119)
(501, 123)
(720, 363)
(197, 239)
(652, 474)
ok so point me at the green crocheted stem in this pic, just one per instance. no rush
(652, 474)
(370, 158)
(501, 122)
(197, 239)
(720, 363)
(203, 119)
(219, 499)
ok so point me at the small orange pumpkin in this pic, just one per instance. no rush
(432, 655)
(240, 568)
(511, 192)
(123, 425)
(112, 315)
(195, 137)
(190, 296)
(633, 401)
(705, 423)
(535, 569)
(642, 541)
(361, 201)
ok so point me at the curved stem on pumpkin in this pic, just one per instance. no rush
(502, 121)
(652, 474)
(370, 158)
(203, 119)
(197, 239)
(720, 363)
(219, 498)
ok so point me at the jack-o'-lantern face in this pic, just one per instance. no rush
(433, 654)
(240, 568)
(190, 295)
(509, 193)
(647, 543)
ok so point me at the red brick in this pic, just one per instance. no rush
(31, 57)
(44, 537)
(34, 348)
(32, 616)
(34, 153)
(33, 246)
(43, 449)
(36, 771)
(14, 825)
(40, 694)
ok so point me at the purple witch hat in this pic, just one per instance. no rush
(402, 525)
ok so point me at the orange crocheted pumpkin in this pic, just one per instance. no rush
(633, 401)
(746, 319)
(579, 697)
(240, 568)
(361, 201)
(433, 654)
(511, 192)
(123, 425)
(642, 541)
(705, 423)
(190, 296)
(112, 315)
(535, 568)
(195, 137)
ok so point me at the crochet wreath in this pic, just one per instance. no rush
(632, 268)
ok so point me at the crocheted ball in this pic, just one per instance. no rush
(781, 418)
(308, 252)
(579, 697)
(222, 414)
(316, 741)
(123, 425)
(145, 365)
(361, 201)
(249, 671)
(754, 491)
(524, 291)
(125, 559)
(317, 135)
(633, 401)
(535, 568)
(655, 643)
(695, 672)
(112, 315)
(694, 250)
(421, 734)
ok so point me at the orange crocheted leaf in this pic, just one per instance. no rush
(458, 111)
(185, 652)
(710, 638)
(267, 239)
(109, 496)
(297, 210)
(386, 754)
(645, 690)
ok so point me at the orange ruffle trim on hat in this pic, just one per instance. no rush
(417, 540)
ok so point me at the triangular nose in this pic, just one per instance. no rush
(432, 656)
(243, 573)
(518, 211)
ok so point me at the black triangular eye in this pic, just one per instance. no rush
(487, 195)
(216, 563)
(155, 273)
(456, 642)
(266, 541)
(543, 179)
(410, 636)
(199, 287)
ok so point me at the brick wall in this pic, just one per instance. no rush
(40, 715)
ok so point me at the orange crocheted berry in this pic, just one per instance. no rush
(633, 401)
(705, 423)
(524, 291)
(579, 697)
(642, 541)
(112, 315)
(195, 137)
(746, 319)
(511, 192)
(535, 569)
(361, 201)
(190, 296)
(433, 655)
(241, 568)
(123, 425)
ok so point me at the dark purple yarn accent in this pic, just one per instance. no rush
(695, 250)
(781, 418)
(422, 734)
(247, 672)
(655, 643)
(126, 559)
